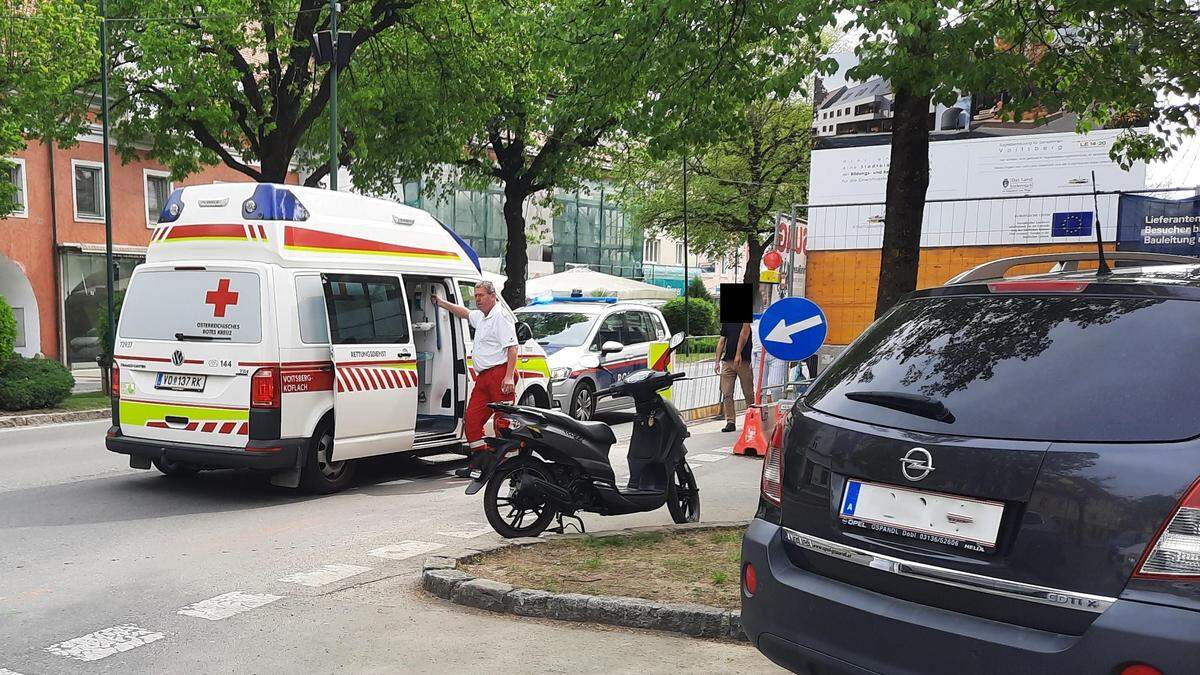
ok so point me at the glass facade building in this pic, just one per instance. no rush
(585, 228)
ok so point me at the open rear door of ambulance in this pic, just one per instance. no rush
(375, 368)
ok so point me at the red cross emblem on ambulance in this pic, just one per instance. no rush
(221, 298)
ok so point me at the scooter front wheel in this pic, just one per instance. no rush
(511, 511)
(683, 495)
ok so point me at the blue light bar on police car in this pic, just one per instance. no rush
(547, 298)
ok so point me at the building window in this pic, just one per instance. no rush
(651, 250)
(679, 253)
(89, 190)
(16, 176)
(158, 188)
(84, 287)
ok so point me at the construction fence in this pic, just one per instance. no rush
(841, 243)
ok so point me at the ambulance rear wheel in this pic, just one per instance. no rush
(175, 469)
(320, 475)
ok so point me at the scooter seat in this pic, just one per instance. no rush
(598, 433)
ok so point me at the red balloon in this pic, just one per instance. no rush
(772, 260)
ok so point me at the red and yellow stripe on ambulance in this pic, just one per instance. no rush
(529, 366)
(200, 418)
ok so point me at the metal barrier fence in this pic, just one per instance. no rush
(702, 389)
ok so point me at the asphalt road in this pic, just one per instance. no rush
(104, 568)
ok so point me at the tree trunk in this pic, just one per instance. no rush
(754, 254)
(275, 168)
(516, 258)
(907, 183)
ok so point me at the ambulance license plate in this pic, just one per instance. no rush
(179, 382)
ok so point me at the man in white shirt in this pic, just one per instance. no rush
(494, 359)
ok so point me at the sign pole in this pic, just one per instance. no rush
(793, 242)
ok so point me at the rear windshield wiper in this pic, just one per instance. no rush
(913, 404)
(184, 337)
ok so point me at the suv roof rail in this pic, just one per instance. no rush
(1065, 262)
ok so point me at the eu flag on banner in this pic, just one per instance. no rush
(1071, 224)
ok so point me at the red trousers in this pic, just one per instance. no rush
(486, 390)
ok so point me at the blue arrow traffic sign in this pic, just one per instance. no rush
(792, 329)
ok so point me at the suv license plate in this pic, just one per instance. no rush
(949, 520)
(180, 382)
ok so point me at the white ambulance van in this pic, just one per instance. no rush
(291, 330)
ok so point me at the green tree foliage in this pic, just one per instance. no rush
(1110, 63)
(734, 185)
(701, 316)
(29, 384)
(696, 289)
(564, 81)
(8, 331)
(47, 48)
(235, 81)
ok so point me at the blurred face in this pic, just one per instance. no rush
(484, 300)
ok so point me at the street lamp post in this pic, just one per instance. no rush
(108, 244)
(333, 96)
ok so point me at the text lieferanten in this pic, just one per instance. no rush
(1168, 230)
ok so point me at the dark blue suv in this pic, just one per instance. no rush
(999, 475)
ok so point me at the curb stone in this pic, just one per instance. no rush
(43, 419)
(442, 578)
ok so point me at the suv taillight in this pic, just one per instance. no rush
(772, 474)
(1175, 551)
(264, 388)
(114, 381)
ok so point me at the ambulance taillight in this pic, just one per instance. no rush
(264, 388)
(114, 381)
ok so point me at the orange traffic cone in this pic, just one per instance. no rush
(753, 439)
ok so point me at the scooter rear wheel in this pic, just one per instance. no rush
(511, 513)
(683, 495)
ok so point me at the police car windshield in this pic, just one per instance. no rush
(559, 329)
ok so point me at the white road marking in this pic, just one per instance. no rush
(326, 574)
(6, 671)
(405, 549)
(468, 533)
(398, 481)
(706, 457)
(227, 605)
(102, 643)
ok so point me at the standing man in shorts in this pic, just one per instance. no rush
(494, 359)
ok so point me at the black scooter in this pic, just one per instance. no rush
(546, 465)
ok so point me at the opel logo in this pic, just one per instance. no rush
(177, 358)
(916, 464)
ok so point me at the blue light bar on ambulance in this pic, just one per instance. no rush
(173, 208)
(272, 202)
(547, 298)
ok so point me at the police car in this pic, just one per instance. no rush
(591, 343)
(291, 330)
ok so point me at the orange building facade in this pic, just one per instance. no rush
(844, 283)
(52, 247)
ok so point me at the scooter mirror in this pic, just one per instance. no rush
(676, 340)
(611, 347)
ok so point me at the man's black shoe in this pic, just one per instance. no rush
(729, 426)
(464, 472)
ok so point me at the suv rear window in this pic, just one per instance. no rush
(181, 304)
(1057, 368)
